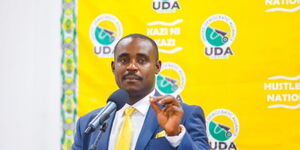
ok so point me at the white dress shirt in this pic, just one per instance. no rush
(137, 119)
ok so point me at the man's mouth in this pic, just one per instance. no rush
(131, 77)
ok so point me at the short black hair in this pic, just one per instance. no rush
(140, 36)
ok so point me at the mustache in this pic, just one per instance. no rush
(132, 75)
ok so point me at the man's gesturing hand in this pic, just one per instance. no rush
(170, 116)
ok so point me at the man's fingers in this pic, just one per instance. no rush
(154, 105)
(168, 100)
(171, 104)
(172, 109)
(158, 98)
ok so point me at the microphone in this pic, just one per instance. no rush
(114, 103)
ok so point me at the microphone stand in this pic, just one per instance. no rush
(103, 128)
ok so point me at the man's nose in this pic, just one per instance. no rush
(132, 66)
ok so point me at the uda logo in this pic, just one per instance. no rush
(171, 80)
(222, 129)
(105, 31)
(165, 6)
(217, 33)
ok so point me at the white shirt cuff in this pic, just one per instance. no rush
(176, 140)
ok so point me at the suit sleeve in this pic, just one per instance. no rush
(78, 141)
(195, 137)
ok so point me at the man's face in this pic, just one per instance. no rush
(135, 65)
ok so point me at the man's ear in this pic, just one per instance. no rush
(112, 65)
(158, 66)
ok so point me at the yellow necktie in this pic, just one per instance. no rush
(125, 135)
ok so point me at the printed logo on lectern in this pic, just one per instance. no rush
(105, 31)
(165, 6)
(171, 80)
(222, 129)
(217, 33)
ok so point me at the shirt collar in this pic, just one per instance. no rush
(142, 105)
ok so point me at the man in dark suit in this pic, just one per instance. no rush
(148, 120)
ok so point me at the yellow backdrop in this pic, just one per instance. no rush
(238, 60)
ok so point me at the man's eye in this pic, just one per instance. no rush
(123, 60)
(141, 61)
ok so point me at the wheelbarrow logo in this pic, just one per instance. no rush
(222, 129)
(217, 41)
(171, 80)
(216, 37)
(219, 132)
(105, 31)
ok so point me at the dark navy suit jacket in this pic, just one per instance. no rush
(193, 120)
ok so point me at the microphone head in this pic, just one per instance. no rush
(120, 97)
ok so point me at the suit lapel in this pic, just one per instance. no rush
(103, 143)
(149, 127)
